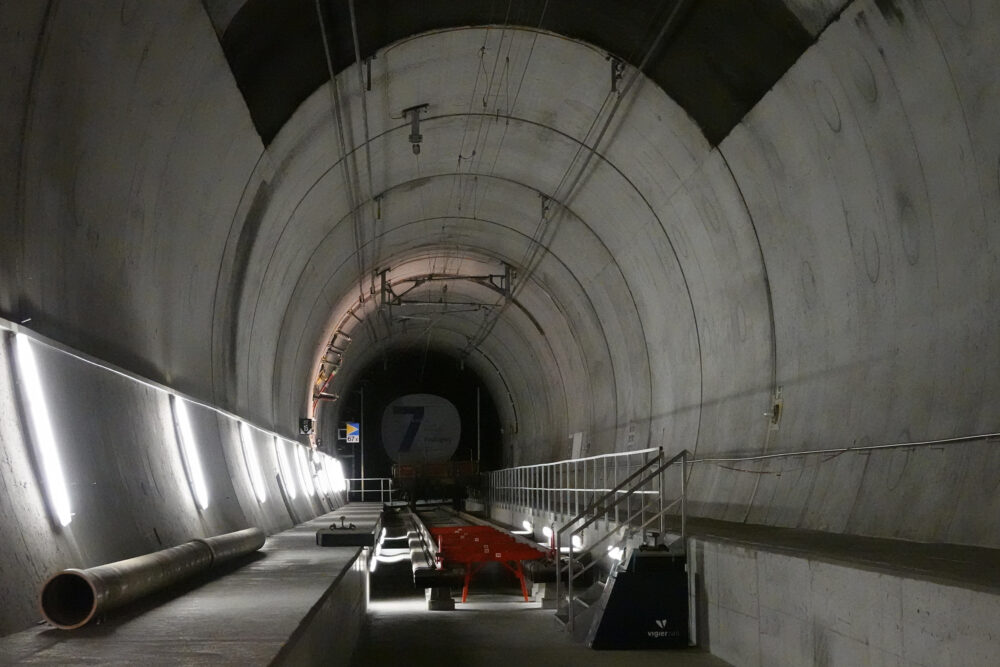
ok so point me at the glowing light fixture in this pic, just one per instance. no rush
(44, 438)
(328, 475)
(547, 532)
(577, 542)
(322, 483)
(339, 484)
(253, 464)
(615, 553)
(528, 529)
(189, 451)
(302, 463)
(286, 470)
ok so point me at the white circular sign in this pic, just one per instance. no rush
(420, 428)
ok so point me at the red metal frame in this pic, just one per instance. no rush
(474, 546)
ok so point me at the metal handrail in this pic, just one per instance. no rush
(618, 500)
(630, 531)
(582, 459)
(385, 487)
(612, 492)
(599, 506)
(559, 487)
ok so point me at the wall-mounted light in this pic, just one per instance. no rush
(41, 428)
(286, 470)
(302, 463)
(322, 482)
(338, 483)
(189, 451)
(328, 475)
(253, 464)
(528, 529)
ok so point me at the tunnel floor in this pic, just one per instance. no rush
(243, 616)
(494, 628)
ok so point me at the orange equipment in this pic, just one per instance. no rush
(474, 546)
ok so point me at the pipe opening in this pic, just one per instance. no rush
(68, 600)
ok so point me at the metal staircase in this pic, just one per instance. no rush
(634, 516)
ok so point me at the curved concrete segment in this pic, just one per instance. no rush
(826, 276)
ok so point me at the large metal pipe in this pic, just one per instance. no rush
(71, 598)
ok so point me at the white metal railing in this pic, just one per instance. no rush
(650, 509)
(565, 487)
(370, 489)
(610, 495)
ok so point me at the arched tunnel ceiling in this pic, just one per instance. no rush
(573, 320)
(720, 57)
(840, 243)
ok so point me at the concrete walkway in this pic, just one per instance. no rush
(244, 617)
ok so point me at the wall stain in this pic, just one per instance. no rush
(890, 10)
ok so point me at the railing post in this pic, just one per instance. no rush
(566, 486)
(684, 459)
(535, 500)
(659, 484)
(628, 504)
(546, 473)
(558, 567)
(615, 486)
(576, 487)
(569, 578)
(605, 487)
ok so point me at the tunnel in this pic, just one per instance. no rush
(763, 233)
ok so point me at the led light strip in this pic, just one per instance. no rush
(44, 438)
(189, 451)
(286, 470)
(253, 463)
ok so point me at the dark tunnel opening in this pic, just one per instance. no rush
(417, 407)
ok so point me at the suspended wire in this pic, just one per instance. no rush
(538, 245)
(364, 114)
(475, 156)
(338, 122)
(351, 187)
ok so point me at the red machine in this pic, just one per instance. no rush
(474, 546)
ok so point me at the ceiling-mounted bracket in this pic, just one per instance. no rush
(412, 114)
(617, 72)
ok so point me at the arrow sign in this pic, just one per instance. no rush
(352, 432)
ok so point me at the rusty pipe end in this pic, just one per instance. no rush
(69, 599)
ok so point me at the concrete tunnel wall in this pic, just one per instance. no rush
(840, 244)
(126, 480)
